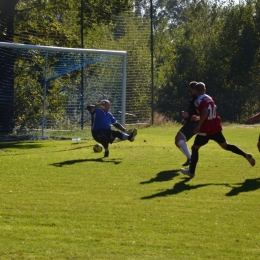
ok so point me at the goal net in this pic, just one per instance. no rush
(44, 90)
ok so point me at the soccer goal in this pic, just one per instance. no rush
(44, 90)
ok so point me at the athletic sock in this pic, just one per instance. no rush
(182, 151)
(234, 149)
(184, 148)
(106, 152)
(194, 159)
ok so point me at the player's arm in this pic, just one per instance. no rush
(185, 114)
(183, 121)
(253, 118)
(90, 108)
(120, 127)
(195, 118)
(203, 116)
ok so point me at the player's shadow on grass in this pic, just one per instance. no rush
(71, 162)
(177, 188)
(75, 148)
(20, 145)
(246, 186)
(163, 176)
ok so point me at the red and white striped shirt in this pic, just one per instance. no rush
(212, 123)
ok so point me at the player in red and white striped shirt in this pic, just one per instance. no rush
(209, 128)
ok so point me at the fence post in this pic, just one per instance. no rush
(44, 93)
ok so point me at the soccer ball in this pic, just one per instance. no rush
(97, 148)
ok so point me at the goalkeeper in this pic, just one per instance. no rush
(101, 121)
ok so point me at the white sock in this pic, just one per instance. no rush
(182, 151)
(184, 148)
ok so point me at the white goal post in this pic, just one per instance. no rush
(64, 80)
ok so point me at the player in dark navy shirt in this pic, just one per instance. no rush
(101, 121)
(186, 132)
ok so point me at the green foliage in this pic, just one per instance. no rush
(138, 61)
(218, 45)
(60, 200)
(59, 23)
(29, 86)
(103, 12)
(48, 23)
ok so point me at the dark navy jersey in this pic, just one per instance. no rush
(101, 120)
(192, 110)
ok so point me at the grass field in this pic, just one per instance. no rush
(60, 200)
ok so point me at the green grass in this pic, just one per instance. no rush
(59, 200)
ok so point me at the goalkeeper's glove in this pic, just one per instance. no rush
(99, 105)
(92, 107)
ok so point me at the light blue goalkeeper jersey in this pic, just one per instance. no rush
(101, 120)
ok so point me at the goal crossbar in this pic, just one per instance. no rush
(63, 49)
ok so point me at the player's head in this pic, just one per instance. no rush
(105, 105)
(192, 87)
(200, 88)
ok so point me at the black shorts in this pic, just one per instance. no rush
(187, 130)
(108, 132)
(201, 140)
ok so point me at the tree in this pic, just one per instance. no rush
(7, 15)
(239, 44)
(220, 46)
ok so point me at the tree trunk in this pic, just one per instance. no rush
(7, 61)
